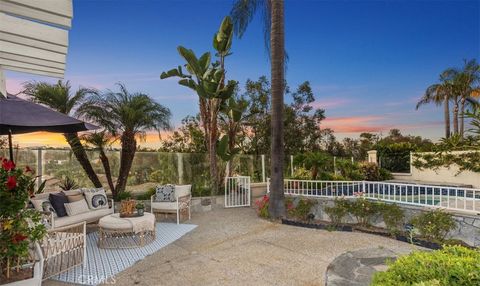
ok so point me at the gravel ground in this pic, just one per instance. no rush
(235, 247)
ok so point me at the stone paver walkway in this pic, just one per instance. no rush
(235, 247)
(355, 268)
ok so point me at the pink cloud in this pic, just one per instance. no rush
(373, 123)
(354, 124)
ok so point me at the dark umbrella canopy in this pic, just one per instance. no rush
(21, 116)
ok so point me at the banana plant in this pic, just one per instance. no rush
(234, 113)
(207, 79)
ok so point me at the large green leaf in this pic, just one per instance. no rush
(204, 62)
(227, 91)
(170, 73)
(188, 83)
(222, 148)
(191, 59)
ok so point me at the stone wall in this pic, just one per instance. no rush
(468, 226)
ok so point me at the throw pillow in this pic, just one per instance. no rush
(43, 205)
(96, 198)
(58, 200)
(77, 207)
(165, 193)
(75, 198)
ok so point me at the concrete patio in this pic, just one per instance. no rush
(235, 247)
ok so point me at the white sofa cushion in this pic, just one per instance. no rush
(164, 205)
(90, 216)
(77, 207)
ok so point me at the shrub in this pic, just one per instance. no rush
(338, 211)
(385, 174)
(452, 265)
(434, 225)
(147, 195)
(262, 207)
(370, 171)
(200, 191)
(364, 210)
(393, 217)
(19, 226)
(123, 196)
(302, 210)
(301, 174)
(349, 170)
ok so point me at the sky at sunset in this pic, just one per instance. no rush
(368, 62)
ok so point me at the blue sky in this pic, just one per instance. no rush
(367, 61)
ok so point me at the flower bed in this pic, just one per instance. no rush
(427, 229)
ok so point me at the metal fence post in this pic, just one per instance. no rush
(180, 168)
(263, 168)
(291, 164)
(39, 167)
(335, 165)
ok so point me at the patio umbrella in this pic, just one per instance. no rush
(19, 116)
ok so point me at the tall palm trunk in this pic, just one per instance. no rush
(212, 154)
(277, 43)
(462, 119)
(81, 155)
(129, 147)
(108, 171)
(455, 117)
(446, 106)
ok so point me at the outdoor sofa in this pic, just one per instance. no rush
(86, 205)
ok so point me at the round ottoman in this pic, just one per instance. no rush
(117, 232)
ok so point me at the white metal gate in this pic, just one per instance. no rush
(237, 191)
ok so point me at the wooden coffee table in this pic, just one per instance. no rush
(117, 232)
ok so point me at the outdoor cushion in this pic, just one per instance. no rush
(165, 193)
(96, 198)
(164, 205)
(75, 198)
(183, 190)
(77, 207)
(43, 205)
(90, 216)
(58, 200)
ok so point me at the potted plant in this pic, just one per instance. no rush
(140, 208)
(20, 228)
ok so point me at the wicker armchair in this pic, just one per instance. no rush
(63, 248)
(181, 205)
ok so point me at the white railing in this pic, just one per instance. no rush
(237, 191)
(446, 197)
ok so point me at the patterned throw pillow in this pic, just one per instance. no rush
(43, 205)
(77, 207)
(96, 198)
(165, 193)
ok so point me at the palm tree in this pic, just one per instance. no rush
(127, 116)
(58, 97)
(466, 81)
(273, 14)
(439, 94)
(101, 140)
